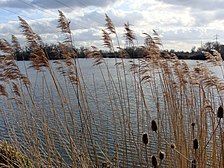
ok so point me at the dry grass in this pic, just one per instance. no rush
(159, 113)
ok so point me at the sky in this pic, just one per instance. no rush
(181, 24)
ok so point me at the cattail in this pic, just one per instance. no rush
(145, 139)
(173, 146)
(220, 112)
(154, 125)
(154, 161)
(195, 144)
(193, 125)
(161, 155)
(104, 165)
(193, 164)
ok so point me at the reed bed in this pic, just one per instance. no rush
(156, 111)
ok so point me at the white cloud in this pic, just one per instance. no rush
(55, 4)
(199, 4)
(181, 24)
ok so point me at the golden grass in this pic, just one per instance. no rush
(159, 113)
(10, 157)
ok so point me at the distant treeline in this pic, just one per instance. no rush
(53, 51)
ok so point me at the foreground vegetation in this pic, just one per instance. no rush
(169, 115)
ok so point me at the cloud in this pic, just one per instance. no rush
(181, 24)
(55, 4)
(199, 4)
(13, 4)
(10, 27)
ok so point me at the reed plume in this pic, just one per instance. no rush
(27, 31)
(16, 89)
(63, 23)
(107, 41)
(15, 44)
(129, 34)
(95, 54)
(3, 91)
(37, 56)
(9, 69)
(109, 24)
(5, 47)
(214, 57)
(151, 48)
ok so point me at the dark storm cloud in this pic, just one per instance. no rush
(52, 4)
(200, 4)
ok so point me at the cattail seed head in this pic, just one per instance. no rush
(145, 139)
(161, 155)
(154, 161)
(195, 144)
(173, 146)
(193, 164)
(154, 125)
(220, 112)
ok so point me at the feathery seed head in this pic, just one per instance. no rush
(15, 89)
(63, 23)
(5, 47)
(3, 91)
(31, 37)
(109, 24)
(37, 56)
(15, 43)
(129, 34)
(107, 41)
